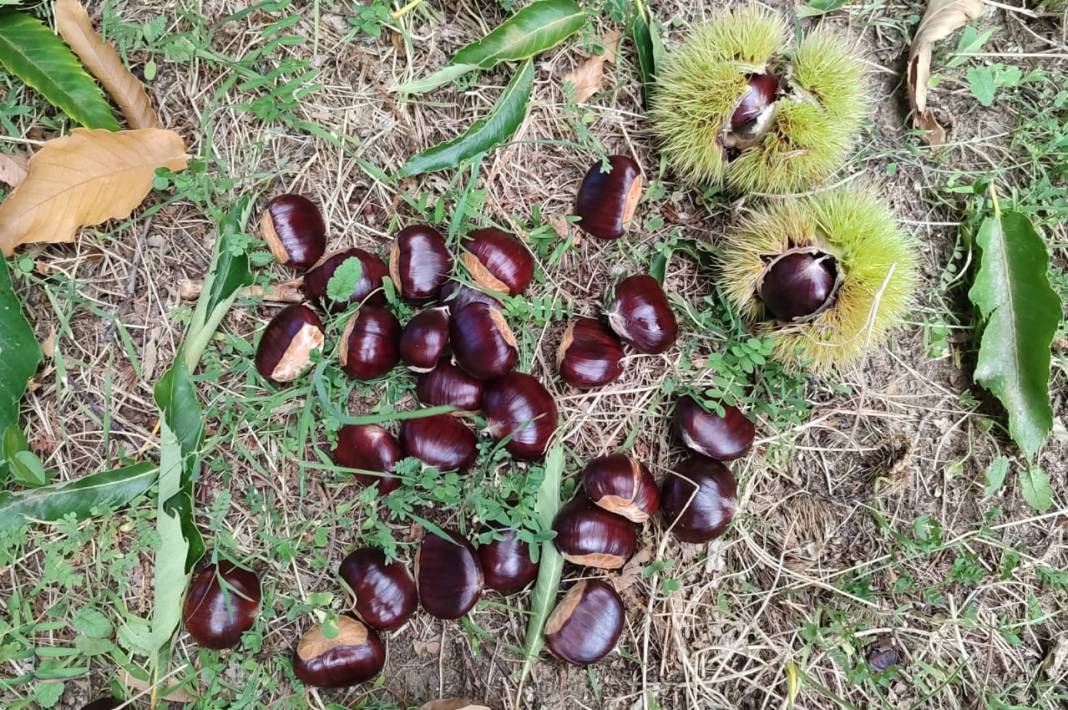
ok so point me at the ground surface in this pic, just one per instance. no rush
(863, 513)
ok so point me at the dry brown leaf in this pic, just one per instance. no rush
(453, 704)
(84, 179)
(103, 62)
(168, 693)
(12, 169)
(942, 18)
(588, 76)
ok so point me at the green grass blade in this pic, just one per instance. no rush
(19, 353)
(644, 32)
(30, 51)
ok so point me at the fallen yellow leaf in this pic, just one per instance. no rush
(84, 179)
(12, 169)
(588, 76)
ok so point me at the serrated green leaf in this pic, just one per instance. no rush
(644, 31)
(20, 355)
(981, 82)
(815, 8)
(33, 53)
(1020, 313)
(1034, 485)
(995, 475)
(537, 27)
(343, 283)
(484, 134)
(92, 622)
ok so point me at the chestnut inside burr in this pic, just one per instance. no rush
(754, 116)
(799, 285)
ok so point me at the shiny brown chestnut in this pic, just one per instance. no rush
(506, 563)
(723, 438)
(606, 202)
(752, 118)
(369, 447)
(714, 494)
(442, 441)
(424, 339)
(589, 354)
(294, 230)
(454, 294)
(385, 592)
(498, 261)
(799, 285)
(369, 286)
(370, 343)
(285, 348)
(221, 603)
(482, 343)
(354, 655)
(585, 626)
(448, 575)
(448, 385)
(591, 536)
(419, 262)
(622, 485)
(519, 406)
(642, 316)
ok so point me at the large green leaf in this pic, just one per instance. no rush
(19, 353)
(99, 491)
(537, 27)
(485, 133)
(644, 31)
(33, 53)
(1020, 313)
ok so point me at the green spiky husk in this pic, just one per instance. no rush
(706, 77)
(875, 257)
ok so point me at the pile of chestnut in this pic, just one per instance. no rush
(465, 354)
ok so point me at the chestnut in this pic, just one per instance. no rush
(448, 385)
(368, 288)
(622, 485)
(294, 230)
(353, 656)
(606, 202)
(285, 348)
(369, 447)
(385, 592)
(589, 354)
(442, 441)
(723, 438)
(221, 603)
(370, 343)
(752, 118)
(498, 261)
(419, 263)
(593, 537)
(518, 406)
(482, 342)
(448, 575)
(714, 494)
(105, 703)
(506, 563)
(799, 285)
(585, 626)
(642, 316)
(424, 339)
(454, 294)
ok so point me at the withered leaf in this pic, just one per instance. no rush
(85, 179)
(588, 76)
(453, 704)
(12, 169)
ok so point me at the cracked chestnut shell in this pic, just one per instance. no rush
(442, 441)
(221, 603)
(723, 438)
(799, 285)
(369, 286)
(370, 343)
(424, 339)
(591, 536)
(589, 354)
(714, 494)
(284, 350)
(419, 262)
(752, 118)
(294, 230)
(622, 485)
(606, 202)
(448, 575)
(585, 626)
(519, 406)
(355, 655)
(482, 343)
(454, 295)
(448, 385)
(506, 563)
(384, 591)
(642, 316)
(498, 261)
(369, 447)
